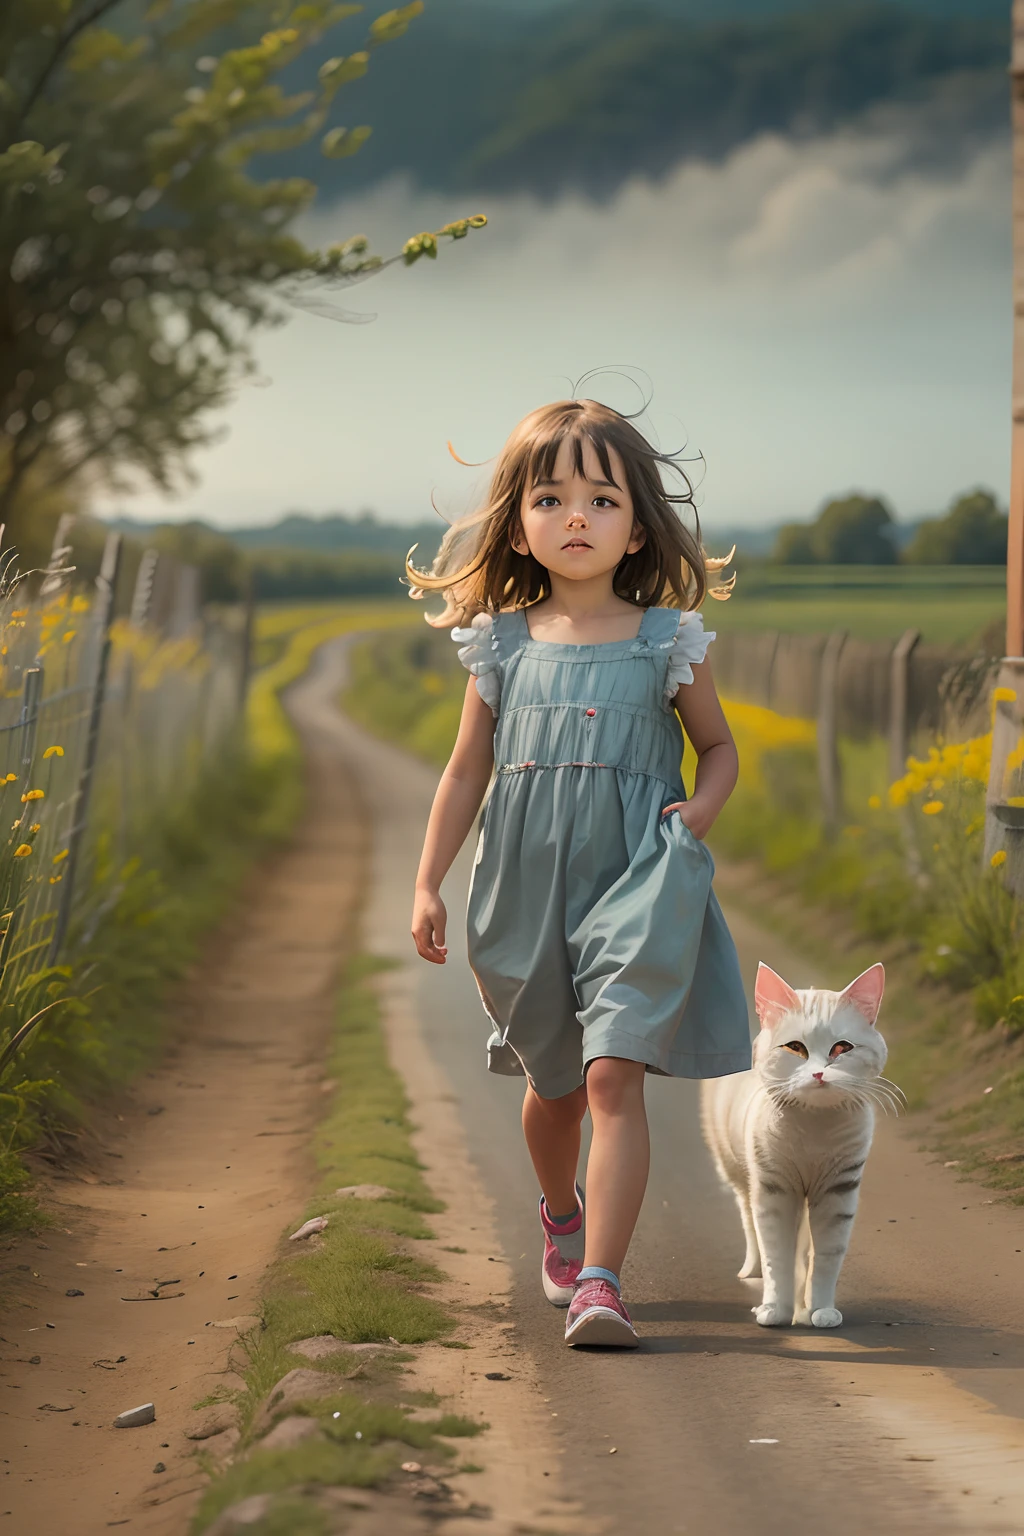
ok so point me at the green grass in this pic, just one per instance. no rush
(363, 1282)
(950, 605)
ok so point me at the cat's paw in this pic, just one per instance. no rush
(771, 1315)
(827, 1317)
(802, 1318)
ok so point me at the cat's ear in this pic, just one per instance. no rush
(773, 997)
(866, 992)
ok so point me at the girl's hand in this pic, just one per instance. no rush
(429, 919)
(694, 814)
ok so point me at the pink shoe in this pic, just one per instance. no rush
(597, 1316)
(559, 1271)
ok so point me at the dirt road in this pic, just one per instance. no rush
(909, 1419)
(187, 1183)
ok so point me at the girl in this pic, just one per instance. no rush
(598, 946)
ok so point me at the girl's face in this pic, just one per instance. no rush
(579, 527)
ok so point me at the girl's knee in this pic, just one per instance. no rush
(569, 1109)
(614, 1085)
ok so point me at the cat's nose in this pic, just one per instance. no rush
(818, 1076)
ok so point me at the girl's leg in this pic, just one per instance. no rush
(552, 1130)
(620, 1158)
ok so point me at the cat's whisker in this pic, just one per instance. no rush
(895, 1087)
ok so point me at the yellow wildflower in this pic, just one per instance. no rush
(35, 826)
(54, 752)
(65, 639)
(62, 855)
(56, 879)
(998, 858)
(1000, 695)
(23, 851)
(932, 807)
(79, 605)
(18, 613)
(33, 794)
(875, 802)
(10, 779)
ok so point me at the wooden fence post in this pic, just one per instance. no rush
(830, 778)
(142, 597)
(248, 623)
(106, 584)
(899, 699)
(32, 692)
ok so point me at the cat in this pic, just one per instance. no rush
(791, 1138)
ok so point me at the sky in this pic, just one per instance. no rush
(812, 317)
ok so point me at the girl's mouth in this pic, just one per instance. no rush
(577, 544)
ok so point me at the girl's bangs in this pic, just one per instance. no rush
(544, 454)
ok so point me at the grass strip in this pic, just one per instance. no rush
(361, 1281)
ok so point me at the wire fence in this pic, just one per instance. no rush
(105, 723)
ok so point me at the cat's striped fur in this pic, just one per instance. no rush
(791, 1138)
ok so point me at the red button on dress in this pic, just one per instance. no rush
(591, 711)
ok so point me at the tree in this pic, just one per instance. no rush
(854, 530)
(973, 532)
(793, 545)
(136, 250)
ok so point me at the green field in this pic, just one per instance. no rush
(953, 604)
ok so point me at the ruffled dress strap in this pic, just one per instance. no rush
(686, 648)
(484, 644)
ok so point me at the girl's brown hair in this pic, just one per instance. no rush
(477, 568)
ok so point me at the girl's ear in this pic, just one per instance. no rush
(637, 539)
(517, 539)
(865, 993)
(772, 996)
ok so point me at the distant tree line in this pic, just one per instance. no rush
(861, 530)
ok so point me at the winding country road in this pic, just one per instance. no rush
(908, 1419)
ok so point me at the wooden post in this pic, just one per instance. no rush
(1015, 547)
(248, 624)
(1008, 720)
(142, 597)
(829, 770)
(58, 569)
(899, 699)
(106, 584)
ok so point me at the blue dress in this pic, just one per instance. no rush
(593, 928)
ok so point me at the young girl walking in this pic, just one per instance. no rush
(598, 946)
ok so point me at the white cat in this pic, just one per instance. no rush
(791, 1138)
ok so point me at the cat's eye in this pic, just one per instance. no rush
(797, 1047)
(839, 1049)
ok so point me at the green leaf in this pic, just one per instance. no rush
(341, 142)
(393, 23)
(340, 71)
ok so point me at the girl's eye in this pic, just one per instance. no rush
(602, 501)
(839, 1049)
(547, 501)
(797, 1047)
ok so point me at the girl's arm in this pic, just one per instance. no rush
(458, 799)
(698, 708)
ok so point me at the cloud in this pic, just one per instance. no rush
(812, 314)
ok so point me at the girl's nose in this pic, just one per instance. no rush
(577, 518)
